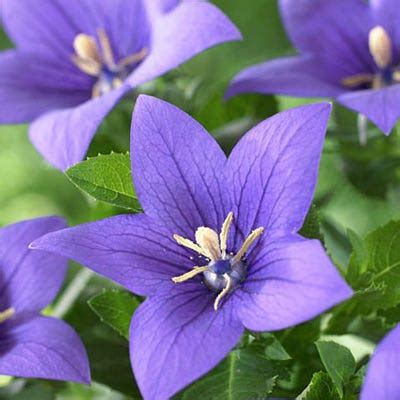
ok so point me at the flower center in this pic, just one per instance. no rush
(224, 271)
(99, 62)
(6, 314)
(380, 47)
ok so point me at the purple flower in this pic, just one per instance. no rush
(33, 346)
(349, 50)
(216, 250)
(75, 60)
(382, 379)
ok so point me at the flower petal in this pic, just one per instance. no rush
(43, 347)
(29, 280)
(132, 250)
(334, 31)
(380, 106)
(188, 29)
(31, 85)
(382, 379)
(290, 281)
(273, 169)
(63, 136)
(295, 76)
(53, 25)
(177, 168)
(177, 336)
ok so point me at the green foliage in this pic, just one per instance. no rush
(243, 375)
(106, 178)
(115, 308)
(338, 362)
(321, 388)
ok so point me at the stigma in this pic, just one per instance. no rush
(380, 48)
(224, 271)
(99, 62)
(6, 314)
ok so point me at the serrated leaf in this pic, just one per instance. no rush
(338, 362)
(320, 388)
(115, 308)
(106, 178)
(243, 375)
(273, 350)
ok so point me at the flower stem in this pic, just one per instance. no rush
(72, 292)
(362, 124)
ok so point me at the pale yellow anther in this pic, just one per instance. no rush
(86, 48)
(208, 240)
(223, 236)
(357, 80)
(380, 46)
(224, 292)
(107, 52)
(89, 67)
(190, 245)
(189, 275)
(396, 76)
(6, 314)
(133, 58)
(247, 243)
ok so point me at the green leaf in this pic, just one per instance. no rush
(106, 178)
(311, 227)
(115, 308)
(321, 388)
(243, 375)
(339, 363)
(273, 349)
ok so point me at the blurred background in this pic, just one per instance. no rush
(358, 187)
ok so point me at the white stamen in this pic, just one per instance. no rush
(208, 240)
(380, 46)
(86, 48)
(189, 275)
(190, 245)
(224, 292)
(357, 80)
(6, 314)
(247, 243)
(223, 237)
(108, 55)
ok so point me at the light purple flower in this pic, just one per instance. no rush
(382, 379)
(75, 59)
(216, 250)
(31, 345)
(348, 50)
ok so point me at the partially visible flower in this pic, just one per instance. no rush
(382, 379)
(349, 50)
(217, 248)
(74, 60)
(31, 345)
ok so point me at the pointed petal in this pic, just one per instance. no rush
(54, 24)
(31, 85)
(290, 281)
(29, 280)
(334, 31)
(132, 250)
(43, 347)
(273, 170)
(295, 76)
(380, 106)
(178, 35)
(177, 336)
(177, 168)
(382, 379)
(62, 137)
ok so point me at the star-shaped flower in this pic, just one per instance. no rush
(348, 50)
(216, 250)
(31, 345)
(74, 60)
